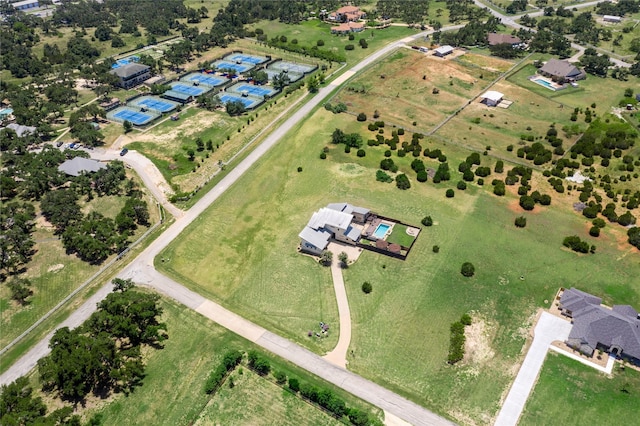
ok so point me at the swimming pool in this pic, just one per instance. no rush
(545, 83)
(381, 230)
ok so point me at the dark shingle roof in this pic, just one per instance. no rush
(560, 68)
(128, 70)
(495, 39)
(595, 324)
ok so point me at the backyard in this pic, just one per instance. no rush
(253, 269)
(593, 396)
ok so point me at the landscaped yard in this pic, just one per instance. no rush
(173, 388)
(400, 330)
(399, 236)
(568, 392)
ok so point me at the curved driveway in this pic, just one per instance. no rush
(141, 269)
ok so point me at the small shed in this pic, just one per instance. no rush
(491, 98)
(612, 18)
(443, 51)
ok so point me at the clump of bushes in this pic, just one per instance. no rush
(230, 360)
(258, 363)
(337, 108)
(576, 244)
(381, 176)
(457, 339)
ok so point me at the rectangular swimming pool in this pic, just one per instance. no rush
(545, 83)
(381, 231)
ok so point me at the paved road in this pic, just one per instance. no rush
(510, 21)
(548, 329)
(141, 269)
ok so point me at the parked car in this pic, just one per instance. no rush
(59, 144)
(123, 152)
(72, 145)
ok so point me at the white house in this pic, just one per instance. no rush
(491, 98)
(332, 222)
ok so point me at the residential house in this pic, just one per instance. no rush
(131, 74)
(334, 222)
(348, 27)
(596, 327)
(443, 51)
(78, 165)
(494, 39)
(347, 14)
(561, 71)
(22, 130)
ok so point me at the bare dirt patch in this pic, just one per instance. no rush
(477, 346)
(55, 268)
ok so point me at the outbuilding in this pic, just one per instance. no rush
(491, 98)
(443, 51)
(612, 18)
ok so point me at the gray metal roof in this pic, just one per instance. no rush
(324, 217)
(78, 165)
(21, 130)
(128, 70)
(319, 238)
(353, 233)
(347, 208)
(176, 95)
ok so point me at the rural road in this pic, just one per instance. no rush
(548, 329)
(141, 269)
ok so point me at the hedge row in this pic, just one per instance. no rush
(456, 343)
(229, 362)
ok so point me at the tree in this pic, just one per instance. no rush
(402, 182)
(235, 108)
(450, 193)
(362, 117)
(427, 221)
(344, 259)
(326, 258)
(527, 202)
(127, 126)
(367, 287)
(60, 208)
(313, 84)
(20, 290)
(521, 222)
(467, 269)
(18, 404)
(280, 80)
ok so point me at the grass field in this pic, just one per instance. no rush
(479, 126)
(53, 273)
(256, 401)
(402, 327)
(593, 397)
(399, 236)
(401, 88)
(172, 391)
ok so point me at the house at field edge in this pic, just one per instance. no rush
(131, 74)
(559, 70)
(348, 27)
(597, 327)
(495, 39)
(347, 14)
(332, 222)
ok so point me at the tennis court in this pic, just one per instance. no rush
(238, 68)
(124, 61)
(291, 67)
(209, 80)
(189, 90)
(247, 102)
(255, 60)
(259, 91)
(151, 102)
(137, 118)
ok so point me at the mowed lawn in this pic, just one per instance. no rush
(173, 388)
(242, 252)
(479, 125)
(256, 401)
(568, 392)
(401, 88)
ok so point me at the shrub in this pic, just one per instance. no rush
(361, 153)
(422, 176)
(527, 202)
(467, 269)
(280, 376)
(367, 287)
(349, 47)
(456, 343)
(299, 169)
(594, 231)
(427, 221)
(362, 117)
(576, 244)
(465, 319)
(323, 155)
(450, 193)
(320, 43)
(259, 363)
(230, 360)
(294, 384)
(383, 177)
(461, 185)
(436, 249)
(402, 181)
(521, 222)
(634, 237)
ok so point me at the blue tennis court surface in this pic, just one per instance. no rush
(189, 90)
(233, 98)
(157, 104)
(124, 61)
(220, 65)
(252, 90)
(137, 118)
(246, 58)
(209, 80)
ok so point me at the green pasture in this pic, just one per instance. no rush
(172, 391)
(571, 393)
(242, 252)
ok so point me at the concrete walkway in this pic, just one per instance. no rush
(548, 329)
(338, 355)
(608, 369)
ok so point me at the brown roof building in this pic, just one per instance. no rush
(495, 39)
